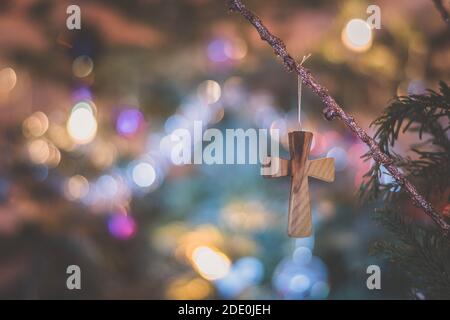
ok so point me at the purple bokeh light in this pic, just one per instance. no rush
(129, 122)
(217, 50)
(122, 226)
(82, 94)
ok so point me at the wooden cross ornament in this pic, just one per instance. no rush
(299, 167)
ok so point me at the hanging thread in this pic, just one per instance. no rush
(299, 88)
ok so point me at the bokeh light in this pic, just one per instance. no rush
(357, 35)
(209, 91)
(296, 280)
(76, 187)
(129, 122)
(235, 49)
(82, 66)
(211, 264)
(8, 80)
(42, 151)
(122, 226)
(82, 126)
(143, 174)
(246, 272)
(216, 50)
(35, 125)
(186, 288)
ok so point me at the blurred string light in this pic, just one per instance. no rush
(245, 272)
(8, 80)
(186, 288)
(107, 192)
(304, 278)
(204, 235)
(121, 225)
(236, 49)
(223, 50)
(210, 263)
(82, 66)
(129, 122)
(82, 124)
(35, 125)
(209, 91)
(143, 174)
(357, 35)
(42, 151)
(76, 187)
(216, 50)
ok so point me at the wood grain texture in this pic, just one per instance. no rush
(299, 168)
(300, 223)
(322, 169)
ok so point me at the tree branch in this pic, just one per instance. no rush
(332, 110)
(441, 8)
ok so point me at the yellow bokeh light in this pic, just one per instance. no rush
(35, 125)
(39, 151)
(42, 151)
(8, 80)
(189, 289)
(357, 35)
(209, 91)
(210, 263)
(82, 66)
(82, 126)
(236, 49)
(76, 187)
(204, 235)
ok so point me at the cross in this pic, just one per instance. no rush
(299, 167)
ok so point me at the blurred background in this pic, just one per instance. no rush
(86, 117)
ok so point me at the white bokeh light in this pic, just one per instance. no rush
(82, 126)
(357, 35)
(143, 174)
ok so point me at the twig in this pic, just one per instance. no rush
(441, 8)
(332, 110)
